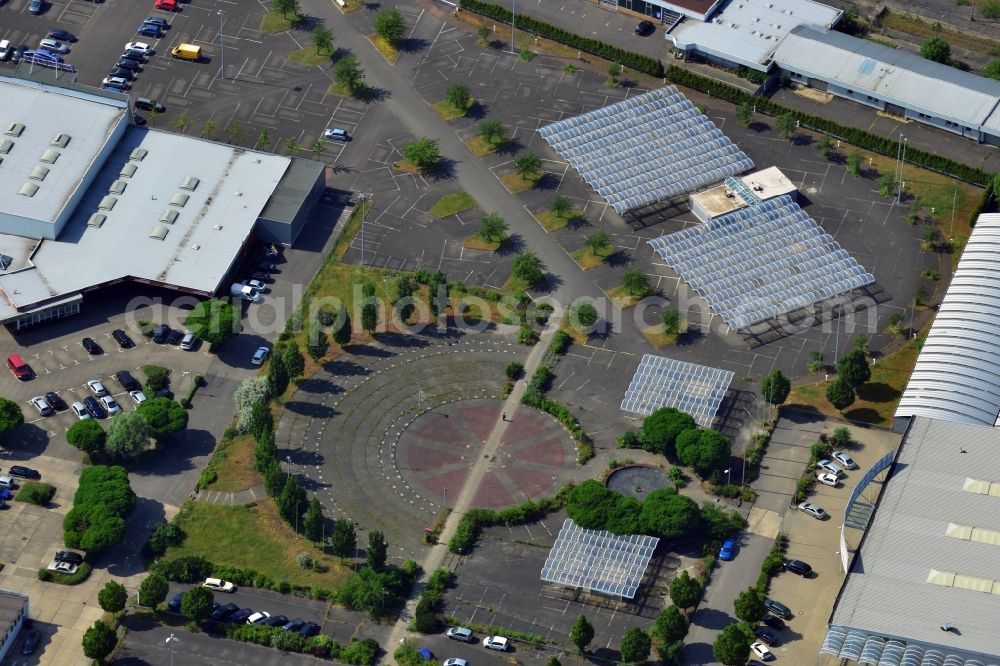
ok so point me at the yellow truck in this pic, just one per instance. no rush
(186, 52)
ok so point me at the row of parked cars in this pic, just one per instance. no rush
(829, 473)
(51, 48)
(98, 406)
(231, 613)
(134, 56)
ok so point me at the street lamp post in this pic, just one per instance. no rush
(513, 21)
(170, 640)
(288, 470)
(222, 46)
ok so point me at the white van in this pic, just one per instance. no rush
(187, 342)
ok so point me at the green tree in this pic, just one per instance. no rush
(214, 321)
(235, 132)
(582, 633)
(853, 368)
(670, 653)
(322, 39)
(318, 343)
(163, 415)
(343, 540)
(661, 428)
(11, 417)
(492, 132)
(668, 515)
(635, 282)
(775, 387)
(312, 523)
(840, 394)
(292, 145)
(528, 267)
(285, 7)
(590, 504)
(635, 646)
(318, 146)
(422, 153)
(703, 450)
(527, 165)
(854, 162)
(274, 478)
(732, 646)
(369, 317)
(86, 435)
(493, 229)
(378, 551)
(154, 114)
(208, 129)
(585, 314)
(824, 146)
(671, 321)
(153, 590)
(265, 452)
(181, 122)
(342, 335)
(292, 502)
(989, 9)
(936, 49)
(685, 592)
(992, 69)
(196, 604)
(744, 113)
(670, 626)
(786, 124)
(390, 25)
(348, 73)
(295, 362)
(483, 35)
(459, 97)
(263, 140)
(99, 641)
(561, 207)
(277, 375)
(718, 524)
(112, 597)
(749, 606)
(128, 435)
(597, 241)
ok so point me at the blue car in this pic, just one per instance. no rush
(728, 550)
(175, 602)
(149, 30)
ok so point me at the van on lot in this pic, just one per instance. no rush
(187, 342)
(186, 52)
(17, 366)
(147, 104)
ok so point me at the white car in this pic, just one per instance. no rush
(219, 585)
(115, 82)
(39, 403)
(80, 410)
(495, 643)
(258, 285)
(454, 661)
(463, 634)
(760, 649)
(146, 49)
(62, 567)
(138, 397)
(110, 405)
(260, 355)
(336, 134)
(53, 45)
(828, 466)
(97, 388)
(5, 49)
(258, 617)
(828, 479)
(813, 510)
(6, 482)
(844, 459)
(245, 291)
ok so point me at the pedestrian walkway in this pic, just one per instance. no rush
(230, 499)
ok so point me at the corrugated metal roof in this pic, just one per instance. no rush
(892, 75)
(887, 593)
(957, 375)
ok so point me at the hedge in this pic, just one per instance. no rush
(193, 568)
(773, 563)
(858, 137)
(492, 629)
(35, 493)
(82, 573)
(635, 61)
(475, 520)
(358, 653)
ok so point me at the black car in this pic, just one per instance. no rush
(128, 382)
(262, 276)
(95, 408)
(221, 613)
(294, 625)
(62, 35)
(128, 63)
(160, 334)
(774, 622)
(92, 347)
(766, 636)
(55, 402)
(276, 621)
(266, 267)
(174, 337)
(19, 53)
(31, 642)
(70, 557)
(24, 472)
(161, 23)
(126, 74)
(175, 602)
(240, 616)
(119, 335)
(309, 629)
(798, 567)
(644, 29)
(135, 54)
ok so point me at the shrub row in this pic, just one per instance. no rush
(476, 519)
(491, 630)
(193, 568)
(858, 137)
(358, 653)
(82, 573)
(773, 562)
(186, 400)
(36, 493)
(635, 61)
(584, 445)
(425, 617)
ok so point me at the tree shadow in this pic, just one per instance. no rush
(310, 409)
(549, 284)
(477, 111)
(759, 127)
(307, 23)
(802, 140)
(617, 259)
(401, 340)
(346, 368)
(509, 147)
(412, 45)
(373, 6)
(577, 222)
(866, 414)
(370, 351)
(548, 181)
(370, 94)
(877, 392)
(513, 245)
(444, 170)
(711, 618)
(690, 337)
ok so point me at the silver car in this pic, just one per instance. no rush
(53, 45)
(828, 466)
(813, 510)
(842, 458)
(39, 403)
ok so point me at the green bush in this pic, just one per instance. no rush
(560, 343)
(156, 377)
(81, 574)
(476, 519)
(635, 61)
(35, 493)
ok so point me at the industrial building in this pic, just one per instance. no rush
(88, 199)
(13, 615)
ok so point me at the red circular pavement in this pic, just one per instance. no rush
(436, 452)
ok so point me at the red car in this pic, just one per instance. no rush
(168, 5)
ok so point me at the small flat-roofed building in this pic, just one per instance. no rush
(737, 193)
(13, 613)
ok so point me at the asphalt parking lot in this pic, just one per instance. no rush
(271, 602)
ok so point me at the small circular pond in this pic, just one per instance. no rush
(637, 480)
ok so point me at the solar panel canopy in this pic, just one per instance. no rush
(598, 560)
(666, 382)
(761, 262)
(646, 148)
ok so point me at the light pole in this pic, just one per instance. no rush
(170, 640)
(513, 21)
(288, 472)
(902, 162)
(222, 46)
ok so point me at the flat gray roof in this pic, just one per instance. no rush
(230, 188)
(46, 111)
(292, 191)
(933, 544)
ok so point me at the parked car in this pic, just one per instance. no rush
(121, 337)
(97, 388)
(336, 134)
(140, 47)
(774, 622)
(63, 567)
(126, 74)
(6, 482)
(35, 7)
(309, 629)
(813, 510)
(498, 643)
(188, 341)
(645, 29)
(463, 634)
(266, 267)
(175, 602)
(92, 347)
(759, 648)
(31, 642)
(828, 479)
(260, 355)
(842, 458)
(70, 556)
(261, 276)
(146, 104)
(19, 53)
(116, 82)
(766, 636)
(43, 407)
(777, 608)
(94, 407)
(55, 402)
(138, 397)
(62, 35)
(6, 49)
(53, 45)
(128, 382)
(221, 613)
(44, 54)
(219, 585)
(258, 617)
(294, 624)
(23, 472)
(258, 285)
(174, 337)
(160, 334)
(246, 292)
(129, 63)
(797, 567)
(109, 404)
(728, 550)
(275, 621)
(166, 5)
(161, 23)
(80, 410)
(139, 56)
(149, 30)
(455, 661)
(240, 616)
(828, 466)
